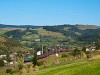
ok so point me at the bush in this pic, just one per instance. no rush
(20, 66)
(1, 63)
(9, 71)
(64, 55)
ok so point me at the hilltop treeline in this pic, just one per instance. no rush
(87, 35)
(18, 26)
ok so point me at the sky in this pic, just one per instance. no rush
(49, 12)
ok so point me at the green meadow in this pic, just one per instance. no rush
(74, 67)
(77, 68)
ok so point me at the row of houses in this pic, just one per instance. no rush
(12, 58)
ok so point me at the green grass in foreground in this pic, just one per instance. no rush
(76, 68)
(81, 68)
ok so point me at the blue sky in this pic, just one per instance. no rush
(49, 12)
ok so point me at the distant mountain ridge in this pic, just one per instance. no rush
(18, 26)
(35, 26)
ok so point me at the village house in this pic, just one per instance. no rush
(13, 56)
(2, 56)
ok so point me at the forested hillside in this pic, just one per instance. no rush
(70, 35)
(87, 35)
(8, 46)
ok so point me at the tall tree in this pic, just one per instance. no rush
(34, 61)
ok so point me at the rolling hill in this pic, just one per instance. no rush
(8, 46)
(70, 35)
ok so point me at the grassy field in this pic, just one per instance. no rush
(78, 68)
(74, 67)
(49, 33)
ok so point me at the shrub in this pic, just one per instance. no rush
(1, 63)
(20, 66)
(9, 71)
(64, 55)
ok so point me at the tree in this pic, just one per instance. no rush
(84, 49)
(1, 62)
(34, 61)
